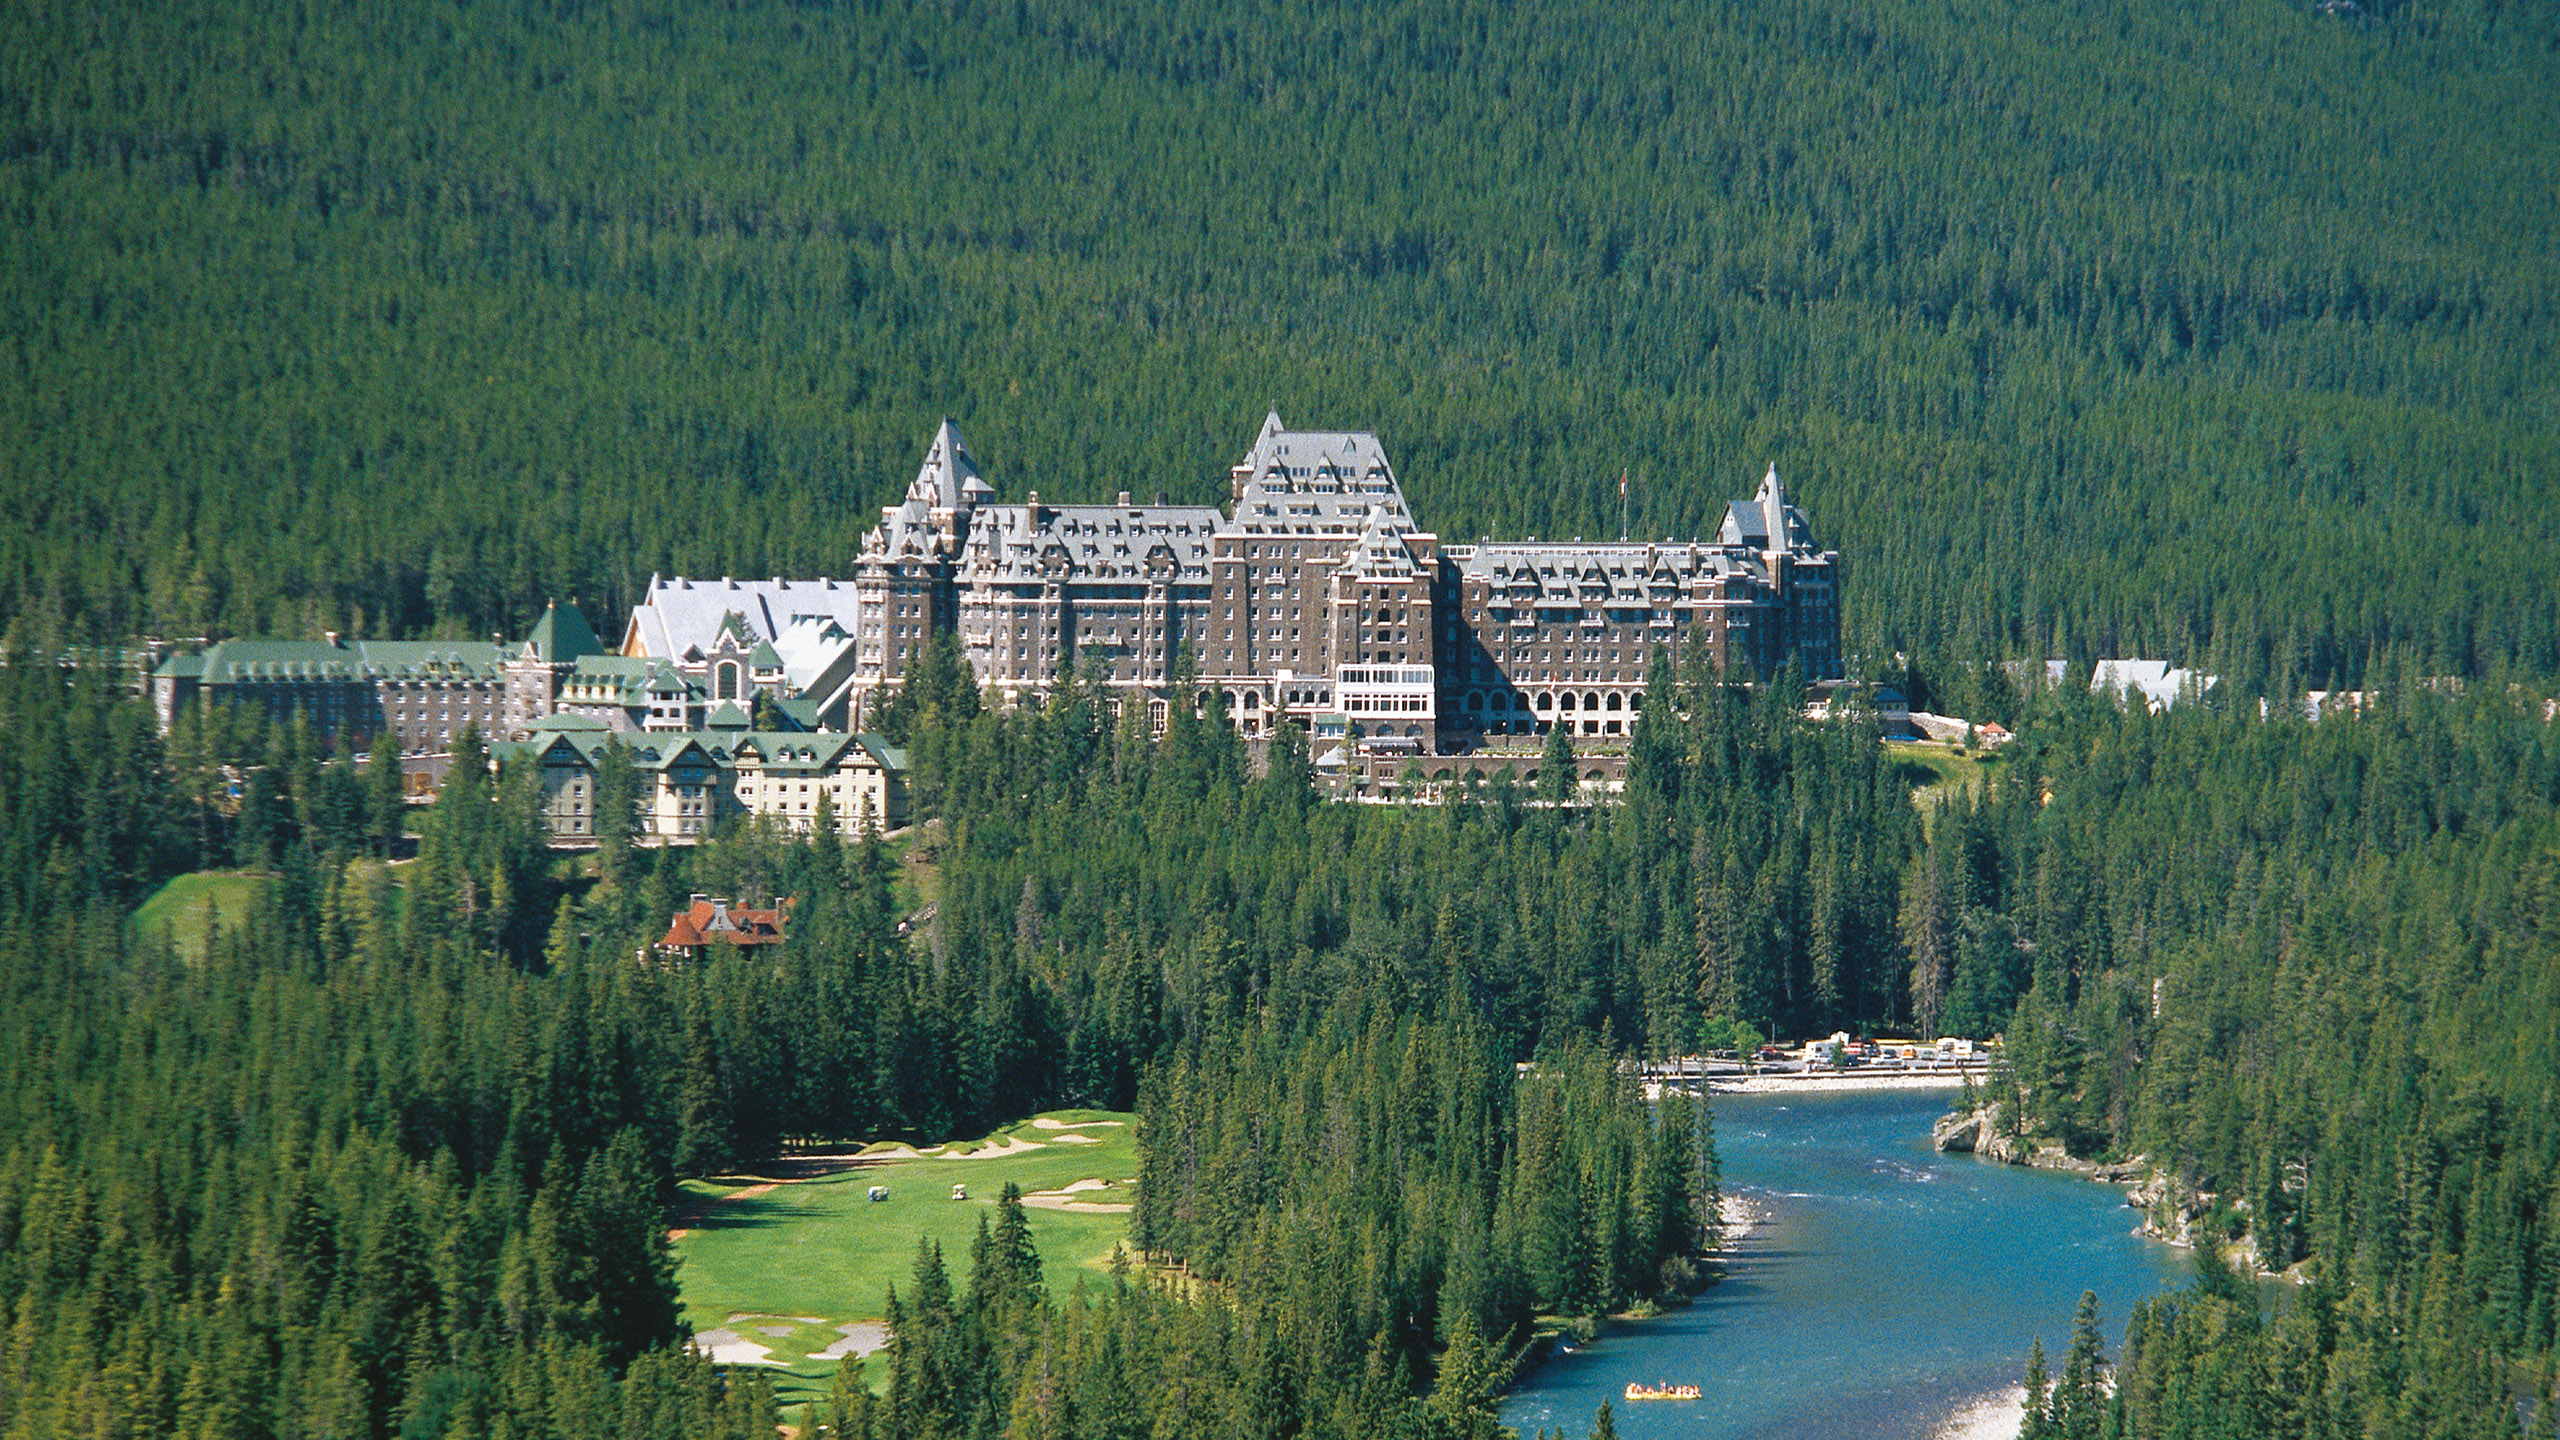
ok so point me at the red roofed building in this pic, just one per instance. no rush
(710, 921)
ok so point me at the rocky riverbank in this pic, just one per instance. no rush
(2172, 1213)
(1979, 1132)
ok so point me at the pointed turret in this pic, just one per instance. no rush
(949, 479)
(1773, 508)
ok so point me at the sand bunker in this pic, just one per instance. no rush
(1079, 1139)
(860, 1338)
(1047, 1123)
(1013, 1145)
(1065, 1199)
(728, 1347)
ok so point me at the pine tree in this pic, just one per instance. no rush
(2038, 1421)
(1557, 781)
(2079, 1400)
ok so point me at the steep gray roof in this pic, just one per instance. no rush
(1317, 482)
(1624, 574)
(949, 479)
(1765, 518)
(1016, 544)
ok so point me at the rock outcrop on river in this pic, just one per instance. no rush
(1975, 1132)
(2171, 1212)
(1978, 1131)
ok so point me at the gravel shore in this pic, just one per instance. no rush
(1852, 1080)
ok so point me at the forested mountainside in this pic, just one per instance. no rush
(392, 1144)
(2219, 333)
(387, 1150)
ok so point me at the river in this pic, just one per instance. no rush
(1891, 1293)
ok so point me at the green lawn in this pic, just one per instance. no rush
(805, 1257)
(1936, 773)
(182, 907)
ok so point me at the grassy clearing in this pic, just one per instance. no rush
(184, 908)
(1937, 773)
(802, 1258)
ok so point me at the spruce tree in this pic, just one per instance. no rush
(1557, 782)
(2079, 1400)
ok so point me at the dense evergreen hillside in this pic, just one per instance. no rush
(388, 1147)
(2217, 332)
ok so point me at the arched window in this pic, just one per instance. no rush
(1613, 699)
(1546, 701)
(1591, 700)
(1568, 700)
(726, 680)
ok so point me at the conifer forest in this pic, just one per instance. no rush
(2222, 334)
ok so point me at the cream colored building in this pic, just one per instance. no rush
(690, 783)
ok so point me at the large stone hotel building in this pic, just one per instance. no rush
(1316, 597)
(1313, 596)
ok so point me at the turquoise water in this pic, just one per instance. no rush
(1893, 1287)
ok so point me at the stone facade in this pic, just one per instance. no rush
(1316, 597)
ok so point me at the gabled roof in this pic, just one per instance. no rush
(681, 614)
(1766, 521)
(706, 921)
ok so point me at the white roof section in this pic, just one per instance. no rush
(681, 615)
(2160, 684)
(809, 646)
